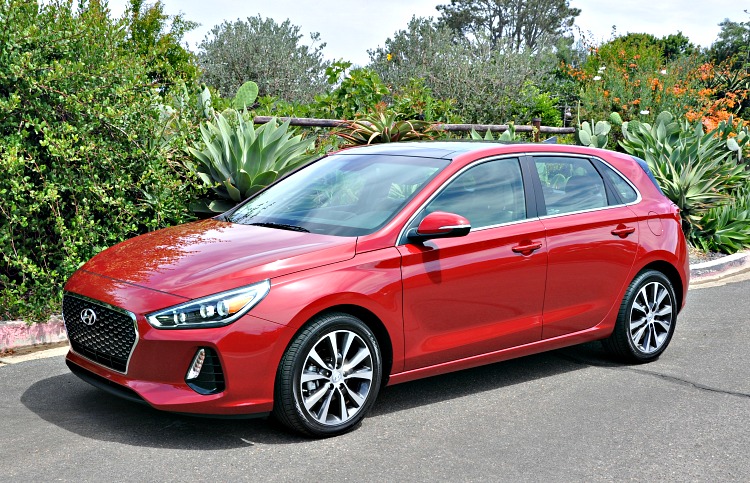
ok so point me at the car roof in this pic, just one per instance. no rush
(455, 149)
(423, 149)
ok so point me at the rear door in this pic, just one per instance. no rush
(592, 238)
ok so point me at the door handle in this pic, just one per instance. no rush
(623, 231)
(527, 247)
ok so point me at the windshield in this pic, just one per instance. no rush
(345, 195)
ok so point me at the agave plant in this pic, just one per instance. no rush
(726, 228)
(383, 127)
(698, 171)
(237, 160)
(507, 135)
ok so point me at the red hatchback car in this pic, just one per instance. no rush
(380, 265)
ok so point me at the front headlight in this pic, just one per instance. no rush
(212, 311)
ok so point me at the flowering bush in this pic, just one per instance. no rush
(633, 79)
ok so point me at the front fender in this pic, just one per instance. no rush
(371, 280)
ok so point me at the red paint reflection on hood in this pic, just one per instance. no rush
(211, 256)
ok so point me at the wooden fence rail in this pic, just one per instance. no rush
(310, 122)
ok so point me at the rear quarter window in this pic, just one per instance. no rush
(626, 192)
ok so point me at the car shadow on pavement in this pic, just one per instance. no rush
(491, 377)
(75, 406)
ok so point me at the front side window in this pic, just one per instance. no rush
(488, 194)
(570, 184)
(345, 195)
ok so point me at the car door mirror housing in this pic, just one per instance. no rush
(439, 224)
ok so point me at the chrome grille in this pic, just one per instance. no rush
(108, 340)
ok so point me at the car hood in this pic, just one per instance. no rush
(211, 256)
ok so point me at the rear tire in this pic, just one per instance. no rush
(646, 320)
(329, 377)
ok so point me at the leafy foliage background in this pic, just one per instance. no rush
(79, 116)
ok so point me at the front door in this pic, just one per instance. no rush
(478, 293)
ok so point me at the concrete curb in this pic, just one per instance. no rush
(714, 270)
(17, 334)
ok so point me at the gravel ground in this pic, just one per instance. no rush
(697, 256)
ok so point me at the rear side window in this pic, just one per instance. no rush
(570, 184)
(626, 192)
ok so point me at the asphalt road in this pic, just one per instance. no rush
(568, 415)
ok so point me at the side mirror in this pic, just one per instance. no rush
(439, 224)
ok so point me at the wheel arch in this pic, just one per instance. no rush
(671, 272)
(372, 321)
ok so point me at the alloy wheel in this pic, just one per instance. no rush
(651, 317)
(336, 377)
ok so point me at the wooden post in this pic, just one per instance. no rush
(537, 123)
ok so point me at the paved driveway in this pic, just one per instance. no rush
(571, 414)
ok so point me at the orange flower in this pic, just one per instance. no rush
(636, 102)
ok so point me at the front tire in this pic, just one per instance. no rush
(329, 377)
(646, 320)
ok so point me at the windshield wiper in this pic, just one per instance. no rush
(282, 226)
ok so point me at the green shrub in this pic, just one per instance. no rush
(484, 78)
(532, 103)
(80, 168)
(237, 160)
(356, 92)
(416, 101)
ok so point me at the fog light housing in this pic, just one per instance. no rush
(197, 365)
(204, 374)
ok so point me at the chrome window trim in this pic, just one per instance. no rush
(590, 210)
(403, 240)
(454, 227)
(110, 307)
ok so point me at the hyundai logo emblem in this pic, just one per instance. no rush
(88, 316)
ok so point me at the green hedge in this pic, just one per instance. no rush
(80, 168)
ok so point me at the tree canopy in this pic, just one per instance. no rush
(268, 53)
(156, 37)
(733, 42)
(524, 23)
(482, 80)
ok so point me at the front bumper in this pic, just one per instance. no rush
(249, 351)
